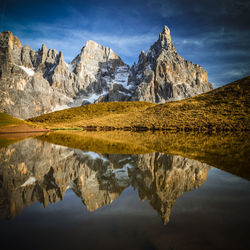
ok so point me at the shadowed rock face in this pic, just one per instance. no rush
(38, 82)
(35, 171)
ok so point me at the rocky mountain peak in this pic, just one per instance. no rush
(91, 44)
(47, 56)
(10, 50)
(162, 75)
(95, 64)
(61, 58)
(164, 42)
(7, 39)
(166, 30)
(44, 48)
(97, 50)
(165, 34)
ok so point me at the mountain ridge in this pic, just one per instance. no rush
(39, 82)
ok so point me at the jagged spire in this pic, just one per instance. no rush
(165, 39)
(166, 31)
(44, 48)
(164, 42)
(60, 58)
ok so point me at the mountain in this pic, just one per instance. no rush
(38, 82)
(162, 75)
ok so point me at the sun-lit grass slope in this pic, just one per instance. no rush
(13, 130)
(227, 151)
(225, 108)
(6, 120)
(90, 114)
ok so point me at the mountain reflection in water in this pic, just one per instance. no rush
(34, 170)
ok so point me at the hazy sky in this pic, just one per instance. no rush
(212, 33)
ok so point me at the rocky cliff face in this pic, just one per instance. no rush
(162, 75)
(36, 171)
(38, 82)
(25, 77)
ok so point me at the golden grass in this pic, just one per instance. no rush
(84, 114)
(6, 120)
(13, 130)
(229, 152)
(225, 108)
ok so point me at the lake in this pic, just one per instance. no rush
(84, 190)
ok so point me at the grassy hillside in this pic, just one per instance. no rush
(228, 152)
(6, 120)
(90, 114)
(13, 130)
(226, 108)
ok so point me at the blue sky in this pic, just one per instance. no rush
(214, 33)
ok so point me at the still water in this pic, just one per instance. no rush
(58, 197)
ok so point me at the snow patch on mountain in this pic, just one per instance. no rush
(71, 66)
(30, 181)
(123, 93)
(60, 107)
(29, 71)
(121, 76)
(94, 97)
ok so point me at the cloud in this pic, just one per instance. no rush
(181, 41)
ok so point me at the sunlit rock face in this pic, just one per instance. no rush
(161, 74)
(23, 93)
(36, 171)
(37, 82)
